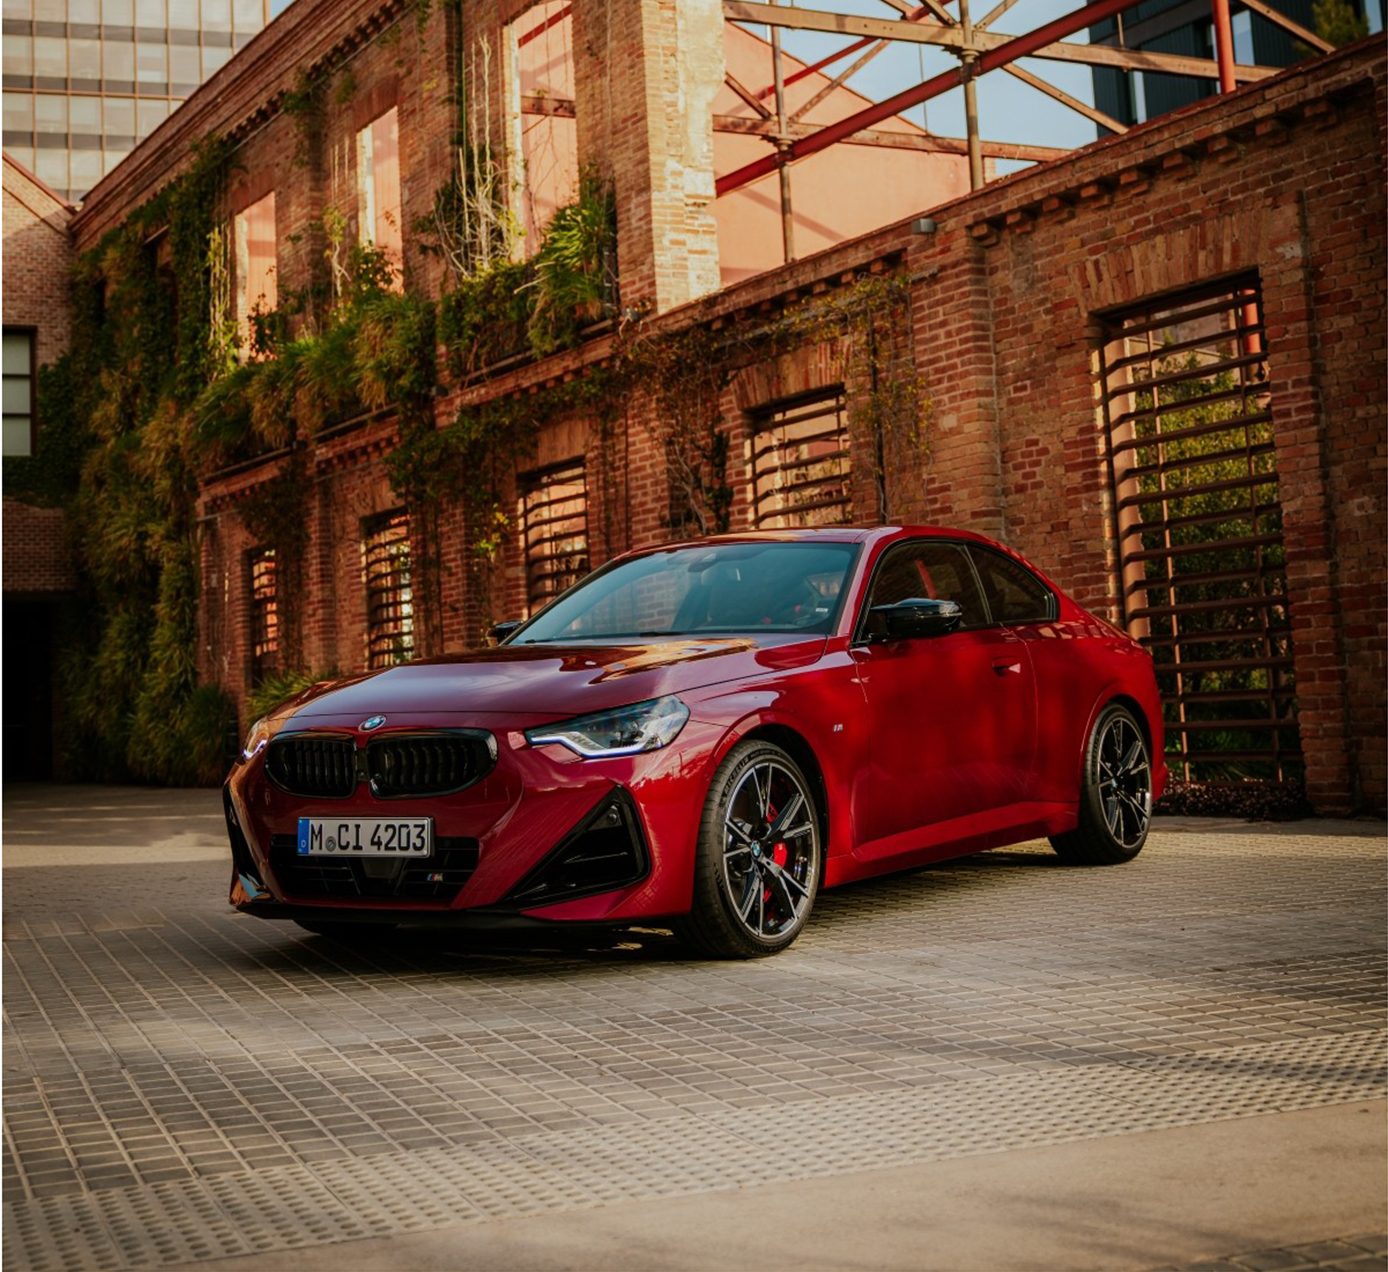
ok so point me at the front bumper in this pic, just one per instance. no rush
(513, 823)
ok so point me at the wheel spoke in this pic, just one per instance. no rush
(793, 806)
(1130, 760)
(780, 872)
(782, 878)
(753, 892)
(737, 830)
(761, 907)
(1112, 814)
(761, 800)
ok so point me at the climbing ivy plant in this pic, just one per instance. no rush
(118, 454)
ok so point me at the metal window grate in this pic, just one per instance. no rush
(1198, 527)
(554, 530)
(18, 391)
(389, 596)
(265, 617)
(800, 466)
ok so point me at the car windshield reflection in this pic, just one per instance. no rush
(705, 590)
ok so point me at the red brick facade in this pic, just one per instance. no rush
(38, 559)
(38, 251)
(1005, 291)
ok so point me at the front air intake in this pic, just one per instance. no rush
(605, 851)
(313, 764)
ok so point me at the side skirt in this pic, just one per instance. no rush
(958, 837)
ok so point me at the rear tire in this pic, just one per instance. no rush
(1115, 794)
(760, 851)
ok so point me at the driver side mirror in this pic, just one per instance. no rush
(918, 616)
(500, 631)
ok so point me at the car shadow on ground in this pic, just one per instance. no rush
(442, 951)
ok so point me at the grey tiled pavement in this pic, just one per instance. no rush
(1355, 1254)
(182, 1083)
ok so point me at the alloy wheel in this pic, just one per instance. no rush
(1125, 781)
(770, 849)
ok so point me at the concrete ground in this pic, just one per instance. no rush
(994, 1064)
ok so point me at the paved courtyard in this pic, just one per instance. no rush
(994, 1063)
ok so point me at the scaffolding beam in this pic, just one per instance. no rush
(929, 143)
(996, 51)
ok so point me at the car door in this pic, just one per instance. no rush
(1065, 681)
(951, 718)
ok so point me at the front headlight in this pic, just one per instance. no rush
(643, 726)
(256, 738)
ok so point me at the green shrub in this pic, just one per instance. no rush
(275, 690)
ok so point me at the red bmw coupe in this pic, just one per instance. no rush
(702, 736)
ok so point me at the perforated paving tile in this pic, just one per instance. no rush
(183, 1084)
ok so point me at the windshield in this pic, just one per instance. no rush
(708, 589)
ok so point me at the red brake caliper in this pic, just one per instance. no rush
(779, 853)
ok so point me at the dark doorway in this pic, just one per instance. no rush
(28, 690)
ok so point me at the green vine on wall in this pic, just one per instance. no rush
(118, 454)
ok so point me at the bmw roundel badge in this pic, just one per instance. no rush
(373, 722)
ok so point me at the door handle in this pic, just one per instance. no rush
(1002, 668)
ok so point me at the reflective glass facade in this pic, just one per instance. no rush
(84, 80)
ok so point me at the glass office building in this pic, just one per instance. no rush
(84, 80)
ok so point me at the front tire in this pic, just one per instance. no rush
(1115, 794)
(760, 849)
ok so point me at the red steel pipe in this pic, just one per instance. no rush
(1022, 46)
(1224, 44)
(540, 28)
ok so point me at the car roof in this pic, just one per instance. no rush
(825, 534)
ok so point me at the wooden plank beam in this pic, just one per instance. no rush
(746, 94)
(950, 37)
(926, 142)
(842, 23)
(1074, 103)
(1286, 23)
(561, 107)
(852, 69)
(1128, 59)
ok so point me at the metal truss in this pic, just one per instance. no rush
(980, 50)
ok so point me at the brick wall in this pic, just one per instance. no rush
(1283, 178)
(37, 558)
(1004, 298)
(37, 255)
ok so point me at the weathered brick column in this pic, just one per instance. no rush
(646, 73)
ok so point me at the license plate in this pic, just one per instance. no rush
(366, 836)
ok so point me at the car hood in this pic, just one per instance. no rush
(554, 681)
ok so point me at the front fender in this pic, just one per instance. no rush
(760, 712)
(1149, 702)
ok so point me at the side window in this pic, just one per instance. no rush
(932, 569)
(1015, 594)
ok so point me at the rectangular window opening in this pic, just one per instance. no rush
(265, 618)
(554, 530)
(800, 465)
(1198, 527)
(378, 188)
(545, 132)
(19, 386)
(255, 247)
(386, 570)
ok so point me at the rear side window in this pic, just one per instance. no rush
(1015, 594)
(929, 569)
